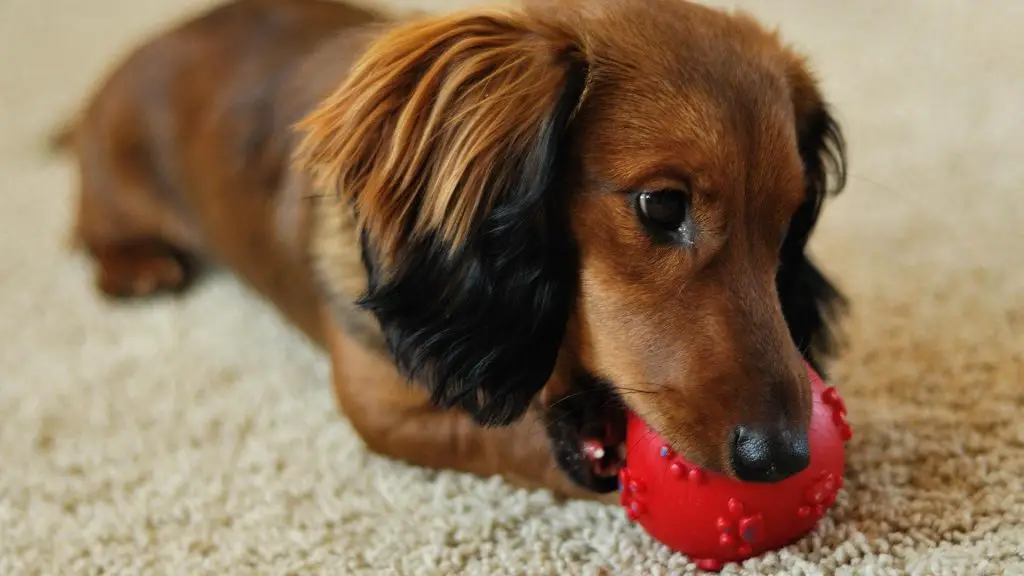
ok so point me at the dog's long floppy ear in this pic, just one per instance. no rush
(449, 141)
(810, 302)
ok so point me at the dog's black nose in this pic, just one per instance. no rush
(768, 455)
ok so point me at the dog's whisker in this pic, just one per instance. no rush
(573, 395)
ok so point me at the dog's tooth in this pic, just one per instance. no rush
(593, 449)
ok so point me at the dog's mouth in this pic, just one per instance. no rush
(587, 431)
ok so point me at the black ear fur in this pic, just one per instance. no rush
(481, 327)
(810, 302)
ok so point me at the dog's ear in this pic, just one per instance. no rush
(448, 140)
(810, 302)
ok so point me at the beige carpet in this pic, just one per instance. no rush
(199, 436)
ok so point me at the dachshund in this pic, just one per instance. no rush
(508, 227)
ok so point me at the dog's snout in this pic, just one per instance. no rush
(769, 454)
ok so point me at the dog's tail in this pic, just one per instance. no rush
(62, 137)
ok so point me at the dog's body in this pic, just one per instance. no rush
(455, 200)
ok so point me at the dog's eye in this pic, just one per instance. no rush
(665, 209)
(666, 213)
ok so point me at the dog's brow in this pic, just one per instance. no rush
(598, 185)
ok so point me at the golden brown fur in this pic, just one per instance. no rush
(382, 182)
(417, 86)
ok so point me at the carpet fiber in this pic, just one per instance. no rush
(199, 436)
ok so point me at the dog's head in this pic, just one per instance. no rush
(615, 192)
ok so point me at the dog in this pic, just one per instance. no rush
(509, 227)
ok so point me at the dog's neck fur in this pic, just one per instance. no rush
(321, 227)
(334, 249)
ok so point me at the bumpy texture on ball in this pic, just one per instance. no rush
(713, 519)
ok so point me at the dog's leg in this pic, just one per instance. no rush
(140, 267)
(397, 420)
(136, 240)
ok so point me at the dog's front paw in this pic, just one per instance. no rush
(135, 270)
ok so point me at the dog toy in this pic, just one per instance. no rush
(713, 519)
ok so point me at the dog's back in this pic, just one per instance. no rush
(183, 148)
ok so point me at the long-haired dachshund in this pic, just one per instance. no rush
(506, 226)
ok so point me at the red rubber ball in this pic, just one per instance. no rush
(713, 519)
